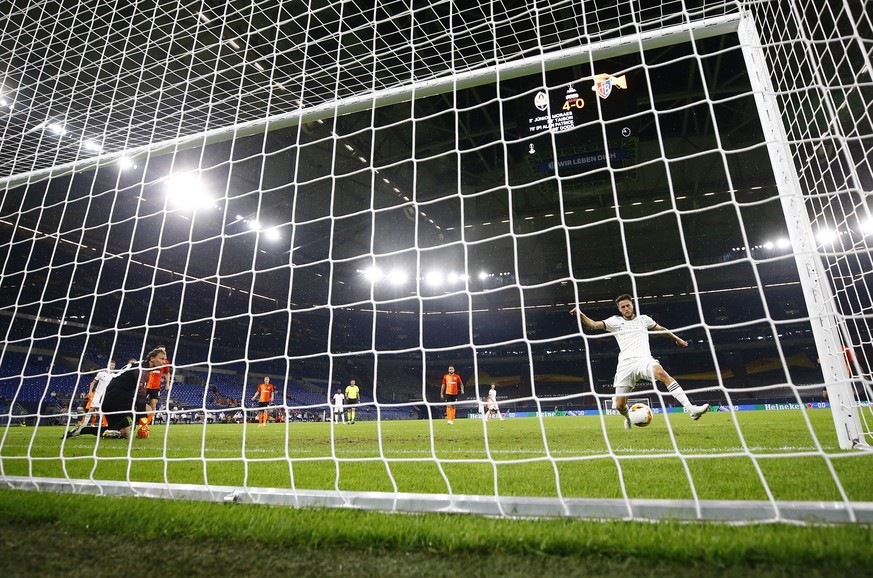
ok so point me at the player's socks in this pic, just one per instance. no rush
(624, 414)
(677, 392)
(89, 431)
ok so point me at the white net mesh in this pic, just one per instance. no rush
(341, 191)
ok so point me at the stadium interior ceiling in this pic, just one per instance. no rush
(685, 214)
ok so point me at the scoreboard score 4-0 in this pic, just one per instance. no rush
(562, 110)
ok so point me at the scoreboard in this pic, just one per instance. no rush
(564, 109)
(583, 124)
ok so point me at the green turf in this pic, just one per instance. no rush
(523, 457)
(73, 535)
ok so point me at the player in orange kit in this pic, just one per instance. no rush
(153, 386)
(452, 383)
(265, 393)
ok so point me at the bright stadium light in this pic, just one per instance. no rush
(782, 243)
(483, 275)
(373, 274)
(273, 234)
(91, 145)
(185, 191)
(827, 236)
(56, 128)
(866, 226)
(397, 277)
(255, 225)
(126, 163)
(434, 278)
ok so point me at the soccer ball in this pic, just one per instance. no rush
(640, 414)
(142, 432)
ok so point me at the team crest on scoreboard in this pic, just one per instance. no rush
(541, 100)
(604, 83)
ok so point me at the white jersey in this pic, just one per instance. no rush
(338, 401)
(492, 394)
(103, 377)
(632, 335)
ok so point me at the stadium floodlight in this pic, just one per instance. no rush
(273, 234)
(126, 163)
(373, 274)
(186, 191)
(397, 277)
(91, 145)
(433, 278)
(827, 236)
(483, 275)
(56, 128)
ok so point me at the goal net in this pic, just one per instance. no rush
(326, 192)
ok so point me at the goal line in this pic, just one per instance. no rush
(727, 511)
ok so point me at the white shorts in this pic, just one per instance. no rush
(630, 371)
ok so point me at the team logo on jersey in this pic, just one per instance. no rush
(603, 84)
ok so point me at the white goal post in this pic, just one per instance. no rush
(376, 194)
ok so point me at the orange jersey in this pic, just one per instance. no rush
(850, 359)
(266, 391)
(452, 381)
(155, 376)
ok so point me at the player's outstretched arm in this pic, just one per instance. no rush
(679, 341)
(587, 321)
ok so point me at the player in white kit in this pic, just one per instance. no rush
(338, 398)
(101, 380)
(635, 361)
(493, 408)
(96, 389)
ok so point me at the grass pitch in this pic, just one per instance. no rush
(774, 452)
(75, 535)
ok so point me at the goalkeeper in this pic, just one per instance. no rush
(635, 361)
(121, 399)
